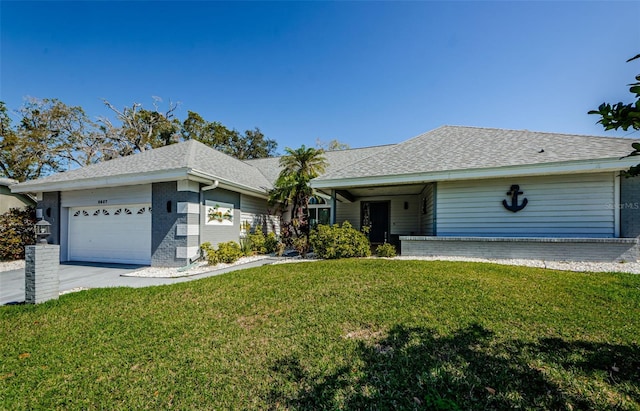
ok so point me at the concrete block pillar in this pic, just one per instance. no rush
(42, 281)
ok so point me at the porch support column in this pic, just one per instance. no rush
(333, 207)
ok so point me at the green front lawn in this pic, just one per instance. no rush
(349, 334)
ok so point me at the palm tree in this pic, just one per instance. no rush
(299, 167)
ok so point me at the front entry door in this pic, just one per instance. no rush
(376, 216)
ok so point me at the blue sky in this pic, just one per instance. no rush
(365, 73)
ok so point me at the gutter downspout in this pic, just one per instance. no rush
(207, 188)
(212, 186)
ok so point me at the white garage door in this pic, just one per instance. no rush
(110, 234)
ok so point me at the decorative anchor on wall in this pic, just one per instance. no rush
(514, 193)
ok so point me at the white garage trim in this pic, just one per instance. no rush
(110, 234)
(111, 196)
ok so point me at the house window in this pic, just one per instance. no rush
(319, 211)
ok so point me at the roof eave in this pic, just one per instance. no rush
(134, 179)
(101, 182)
(240, 188)
(565, 167)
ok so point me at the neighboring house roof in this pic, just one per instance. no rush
(190, 158)
(448, 149)
(270, 167)
(25, 198)
(7, 182)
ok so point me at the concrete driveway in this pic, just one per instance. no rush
(98, 275)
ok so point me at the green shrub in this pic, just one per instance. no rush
(280, 248)
(339, 242)
(16, 232)
(271, 243)
(301, 245)
(246, 246)
(258, 241)
(229, 252)
(386, 250)
(209, 253)
(262, 244)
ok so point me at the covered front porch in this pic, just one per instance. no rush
(385, 213)
(570, 217)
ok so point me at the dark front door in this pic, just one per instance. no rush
(376, 216)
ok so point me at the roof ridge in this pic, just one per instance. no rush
(191, 152)
(524, 130)
(326, 151)
(445, 148)
(388, 148)
(248, 162)
(360, 148)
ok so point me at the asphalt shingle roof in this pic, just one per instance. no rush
(447, 148)
(270, 167)
(451, 148)
(187, 155)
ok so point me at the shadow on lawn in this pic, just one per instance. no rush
(413, 368)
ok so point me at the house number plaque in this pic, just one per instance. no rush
(514, 192)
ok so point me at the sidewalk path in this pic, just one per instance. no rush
(89, 275)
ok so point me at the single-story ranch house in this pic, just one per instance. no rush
(9, 200)
(451, 191)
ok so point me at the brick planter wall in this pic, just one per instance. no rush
(552, 249)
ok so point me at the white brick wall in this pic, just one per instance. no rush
(42, 282)
(552, 249)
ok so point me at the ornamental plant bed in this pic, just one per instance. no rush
(343, 334)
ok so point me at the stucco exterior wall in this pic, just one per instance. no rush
(123, 195)
(50, 205)
(215, 234)
(8, 200)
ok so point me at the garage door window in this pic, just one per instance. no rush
(110, 234)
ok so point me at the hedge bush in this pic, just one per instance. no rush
(209, 253)
(386, 250)
(245, 246)
(271, 242)
(301, 245)
(339, 241)
(262, 244)
(16, 232)
(228, 252)
(257, 241)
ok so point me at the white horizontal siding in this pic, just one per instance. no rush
(256, 211)
(405, 222)
(580, 205)
(348, 212)
(426, 220)
(253, 205)
(402, 221)
(137, 194)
